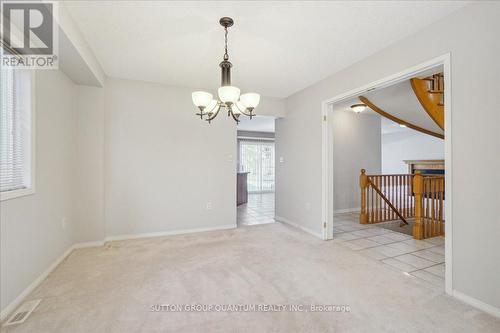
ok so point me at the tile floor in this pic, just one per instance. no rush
(258, 210)
(423, 259)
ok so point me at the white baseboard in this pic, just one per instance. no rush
(20, 298)
(347, 210)
(88, 244)
(490, 309)
(168, 233)
(298, 226)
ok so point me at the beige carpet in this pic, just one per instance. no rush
(112, 288)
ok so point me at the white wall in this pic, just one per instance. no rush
(89, 173)
(147, 164)
(356, 146)
(32, 235)
(298, 166)
(270, 106)
(471, 36)
(408, 145)
(163, 164)
(130, 158)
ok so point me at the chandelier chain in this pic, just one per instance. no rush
(226, 56)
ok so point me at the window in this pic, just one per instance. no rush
(257, 158)
(16, 133)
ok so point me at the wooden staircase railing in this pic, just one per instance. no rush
(429, 208)
(402, 197)
(385, 198)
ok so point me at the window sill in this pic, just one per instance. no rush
(8, 195)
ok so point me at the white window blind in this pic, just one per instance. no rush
(15, 126)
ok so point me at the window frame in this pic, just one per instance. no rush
(8, 195)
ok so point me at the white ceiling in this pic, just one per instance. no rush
(277, 48)
(389, 127)
(256, 124)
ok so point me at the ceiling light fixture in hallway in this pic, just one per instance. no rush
(358, 108)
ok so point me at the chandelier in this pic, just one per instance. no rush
(229, 96)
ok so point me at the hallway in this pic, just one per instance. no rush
(258, 210)
(423, 259)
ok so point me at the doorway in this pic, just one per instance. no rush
(329, 171)
(256, 171)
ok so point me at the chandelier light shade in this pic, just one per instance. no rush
(250, 100)
(201, 98)
(229, 96)
(212, 106)
(239, 107)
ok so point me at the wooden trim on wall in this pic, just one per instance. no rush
(397, 120)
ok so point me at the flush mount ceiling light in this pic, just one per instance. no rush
(358, 108)
(229, 96)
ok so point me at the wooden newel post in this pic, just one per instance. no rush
(363, 184)
(418, 190)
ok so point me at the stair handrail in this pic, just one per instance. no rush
(364, 182)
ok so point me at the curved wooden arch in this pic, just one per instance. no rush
(397, 120)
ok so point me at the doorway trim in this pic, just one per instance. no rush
(327, 150)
